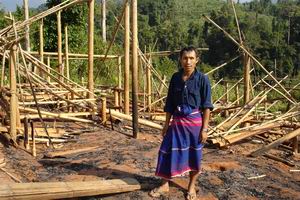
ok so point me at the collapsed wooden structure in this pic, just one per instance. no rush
(40, 94)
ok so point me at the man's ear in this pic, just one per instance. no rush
(197, 60)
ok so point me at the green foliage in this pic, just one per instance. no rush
(270, 31)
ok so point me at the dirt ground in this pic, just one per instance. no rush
(225, 172)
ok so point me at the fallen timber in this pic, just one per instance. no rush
(276, 143)
(60, 190)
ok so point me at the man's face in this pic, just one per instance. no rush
(189, 61)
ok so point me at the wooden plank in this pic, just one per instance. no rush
(59, 190)
(276, 143)
(70, 152)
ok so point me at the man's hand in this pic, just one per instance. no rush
(203, 136)
(164, 130)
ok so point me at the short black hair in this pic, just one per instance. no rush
(188, 49)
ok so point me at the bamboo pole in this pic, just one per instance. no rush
(246, 78)
(20, 25)
(149, 85)
(91, 4)
(67, 53)
(222, 65)
(134, 69)
(237, 94)
(114, 36)
(237, 22)
(129, 118)
(3, 69)
(103, 20)
(74, 55)
(26, 15)
(48, 69)
(13, 92)
(103, 109)
(57, 115)
(41, 52)
(120, 80)
(126, 58)
(116, 96)
(59, 46)
(290, 100)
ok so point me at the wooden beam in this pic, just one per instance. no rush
(41, 51)
(61, 190)
(276, 143)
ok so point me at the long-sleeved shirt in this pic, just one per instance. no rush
(196, 92)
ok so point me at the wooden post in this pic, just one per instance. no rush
(41, 42)
(134, 69)
(149, 84)
(103, 109)
(103, 20)
(59, 46)
(26, 135)
(67, 52)
(126, 58)
(33, 139)
(13, 91)
(91, 4)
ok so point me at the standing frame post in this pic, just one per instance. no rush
(103, 20)
(13, 91)
(126, 58)
(134, 69)
(59, 46)
(91, 5)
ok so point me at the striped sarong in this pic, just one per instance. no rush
(181, 151)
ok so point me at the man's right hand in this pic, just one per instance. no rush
(164, 130)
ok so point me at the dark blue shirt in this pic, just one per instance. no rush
(195, 91)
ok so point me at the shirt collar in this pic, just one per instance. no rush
(194, 74)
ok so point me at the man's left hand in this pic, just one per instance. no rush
(203, 136)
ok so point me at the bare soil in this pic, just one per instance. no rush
(224, 176)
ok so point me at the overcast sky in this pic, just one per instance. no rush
(10, 5)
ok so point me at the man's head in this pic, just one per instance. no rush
(189, 57)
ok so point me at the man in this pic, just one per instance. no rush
(188, 104)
